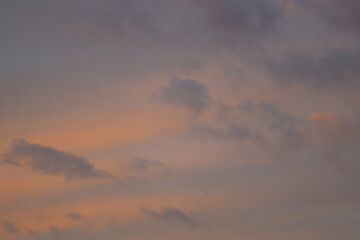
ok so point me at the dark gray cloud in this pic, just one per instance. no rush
(75, 216)
(170, 215)
(50, 161)
(241, 18)
(342, 14)
(239, 24)
(337, 68)
(185, 93)
(170, 21)
(9, 227)
(139, 163)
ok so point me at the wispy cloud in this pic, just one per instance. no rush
(170, 215)
(50, 161)
(75, 216)
(142, 164)
(10, 227)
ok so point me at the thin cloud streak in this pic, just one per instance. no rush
(50, 161)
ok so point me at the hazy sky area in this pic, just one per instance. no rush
(180, 119)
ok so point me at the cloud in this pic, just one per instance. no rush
(139, 163)
(325, 121)
(118, 18)
(338, 139)
(75, 216)
(50, 161)
(170, 215)
(229, 131)
(279, 126)
(261, 122)
(337, 68)
(240, 19)
(9, 227)
(344, 15)
(185, 93)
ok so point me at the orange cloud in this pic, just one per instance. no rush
(326, 120)
(326, 126)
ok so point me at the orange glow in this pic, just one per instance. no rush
(325, 120)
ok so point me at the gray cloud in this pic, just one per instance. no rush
(139, 163)
(228, 131)
(185, 93)
(173, 21)
(338, 139)
(241, 18)
(261, 122)
(75, 216)
(9, 227)
(171, 215)
(338, 68)
(342, 14)
(274, 126)
(283, 124)
(50, 161)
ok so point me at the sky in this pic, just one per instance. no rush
(180, 119)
